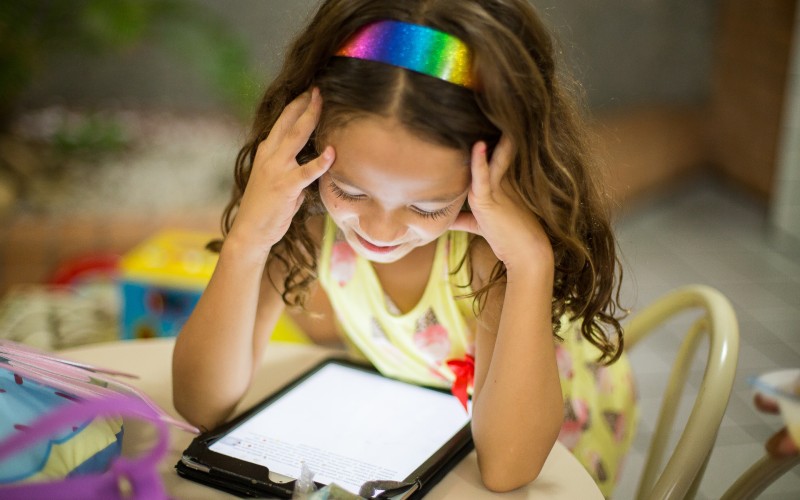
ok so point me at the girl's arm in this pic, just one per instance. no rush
(220, 344)
(517, 402)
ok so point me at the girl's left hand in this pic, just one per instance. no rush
(498, 214)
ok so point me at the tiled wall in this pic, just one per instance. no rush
(643, 151)
(750, 73)
(785, 216)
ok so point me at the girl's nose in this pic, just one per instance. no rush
(382, 227)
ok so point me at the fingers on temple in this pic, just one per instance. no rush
(309, 172)
(501, 159)
(298, 203)
(298, 134)
(466, 222)
(287, 119)
(480, 170)
(295, 125)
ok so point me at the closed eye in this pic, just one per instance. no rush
(427, 214)
(434, 214)
(345, 195)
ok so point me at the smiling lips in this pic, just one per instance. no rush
(375, 248)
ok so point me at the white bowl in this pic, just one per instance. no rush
(784, 387)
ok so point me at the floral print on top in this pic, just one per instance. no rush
(343, 263)
(434, 340)
(431, 338)
(413, 346)
(600, 407)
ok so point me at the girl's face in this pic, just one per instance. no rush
(388, 190)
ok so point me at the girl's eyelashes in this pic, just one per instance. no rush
(344, 195)
(432, 214)
(435, 214)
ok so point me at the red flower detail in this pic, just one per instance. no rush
(21, 427)
(576, 421)
(564, 361)
(464, 370)
(17, 379)
(434, 340)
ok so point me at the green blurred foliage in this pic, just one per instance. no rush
(33, 30)
(91, 135)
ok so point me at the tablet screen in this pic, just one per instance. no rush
(349, 426)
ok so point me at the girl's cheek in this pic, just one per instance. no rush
(337, 208)
(432, 229)
(329, 200)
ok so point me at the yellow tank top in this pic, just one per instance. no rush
(412, 346)
(600, 411)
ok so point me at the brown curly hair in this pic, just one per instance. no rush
(520, 94)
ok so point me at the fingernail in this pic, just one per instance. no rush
(328, 154)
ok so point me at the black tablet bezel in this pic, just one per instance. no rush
(240, 477)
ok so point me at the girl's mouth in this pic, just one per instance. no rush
(375, 248)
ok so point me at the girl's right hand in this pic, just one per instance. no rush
(275, 189)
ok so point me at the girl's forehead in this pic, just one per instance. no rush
(375, 151)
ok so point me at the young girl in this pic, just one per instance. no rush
(417, 184)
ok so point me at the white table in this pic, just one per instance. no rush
(562, 477)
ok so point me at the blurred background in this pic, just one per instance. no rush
(122, 118)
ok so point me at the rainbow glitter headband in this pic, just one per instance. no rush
(411, 46)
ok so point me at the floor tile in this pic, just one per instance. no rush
(779, 355)
(725, 466)
(708, 233)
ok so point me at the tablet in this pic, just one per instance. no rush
(348, 424)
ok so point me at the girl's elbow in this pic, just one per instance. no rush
(504, 479)
(198, 411)
(508, 469)
(186, 409)
(203, 420)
